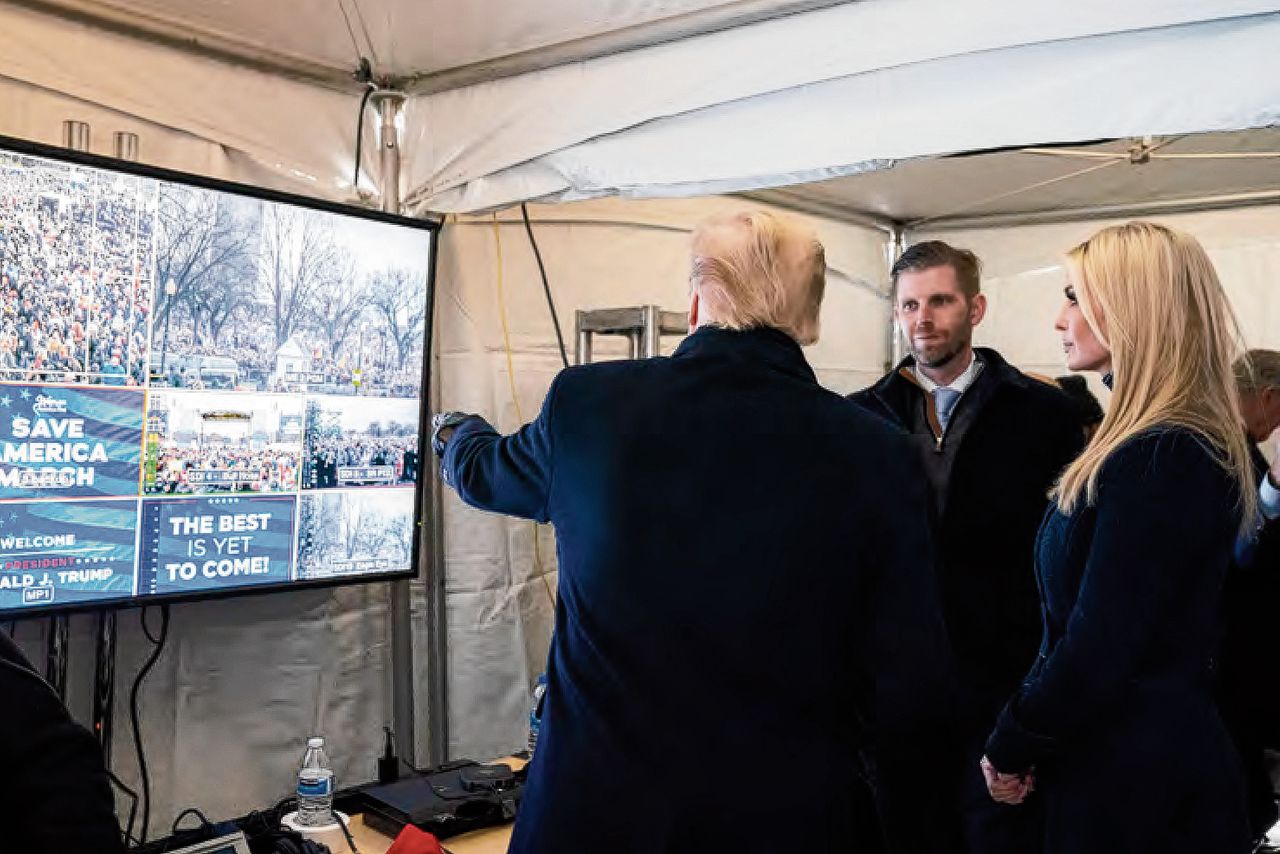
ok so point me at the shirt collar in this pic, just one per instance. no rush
(960, 383)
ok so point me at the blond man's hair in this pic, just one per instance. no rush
(1151, 295)
(758, 269)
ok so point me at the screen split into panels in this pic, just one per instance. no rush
(201, 390)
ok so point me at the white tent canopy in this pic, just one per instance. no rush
(565, 100)
(871, 117)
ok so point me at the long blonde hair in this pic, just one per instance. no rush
(1152, 297)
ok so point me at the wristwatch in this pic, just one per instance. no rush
(442, 421)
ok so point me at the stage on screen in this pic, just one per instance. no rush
(222, 442)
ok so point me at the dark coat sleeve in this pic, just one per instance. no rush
(55, 794)
(908, 656)
(1150, 540)
(503, 474)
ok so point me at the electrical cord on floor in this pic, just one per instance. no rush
(158, 642)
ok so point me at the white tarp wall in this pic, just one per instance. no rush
(604, 254)
(242, 682)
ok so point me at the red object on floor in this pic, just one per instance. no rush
(414, 841)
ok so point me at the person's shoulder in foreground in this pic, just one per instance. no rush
(54, 794)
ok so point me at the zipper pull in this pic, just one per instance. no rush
(937, 446)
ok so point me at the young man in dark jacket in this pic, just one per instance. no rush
(1249, 676)
(992, 441)
(54, 792)
(745, 613)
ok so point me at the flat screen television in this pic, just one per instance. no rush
(205, 388)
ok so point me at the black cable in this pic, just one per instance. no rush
(133, 712)
(133, 808)
(146, 629)
(364, 102)
(542, 270)
(346, 831)
(204, 821)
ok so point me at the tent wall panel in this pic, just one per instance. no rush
(242, 683)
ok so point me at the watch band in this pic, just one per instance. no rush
(440, 422)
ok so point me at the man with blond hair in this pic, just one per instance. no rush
(745, 627)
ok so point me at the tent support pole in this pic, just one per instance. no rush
(894, 247)
(388, 105)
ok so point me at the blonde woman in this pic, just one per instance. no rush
(1116, 722)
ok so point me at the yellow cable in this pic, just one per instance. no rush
(515, 399)
(502, 316)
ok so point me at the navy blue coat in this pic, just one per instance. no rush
(1117, 715)
(1009, 438)
(746, 606)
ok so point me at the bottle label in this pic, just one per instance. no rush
(315, 788)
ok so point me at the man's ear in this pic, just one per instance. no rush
(693, 310)
(977, 309)
(1269, 398)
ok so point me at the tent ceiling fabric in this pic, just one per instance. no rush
(1236, 166)
(301, 133)
(844, 89)
(412, 38)
(1006, 88)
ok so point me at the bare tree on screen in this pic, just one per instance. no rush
(338, 303)
(352, 523)
(299, 258)
(397, 297)
(205, 249)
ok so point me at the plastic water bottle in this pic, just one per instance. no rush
(535, 711)
(315, 786)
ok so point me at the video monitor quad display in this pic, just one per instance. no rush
(204, 388)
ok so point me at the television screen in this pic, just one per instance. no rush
(204, 388)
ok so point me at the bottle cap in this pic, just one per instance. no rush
(315, 741)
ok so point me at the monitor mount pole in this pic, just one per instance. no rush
(104, 667)
(75, 136)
